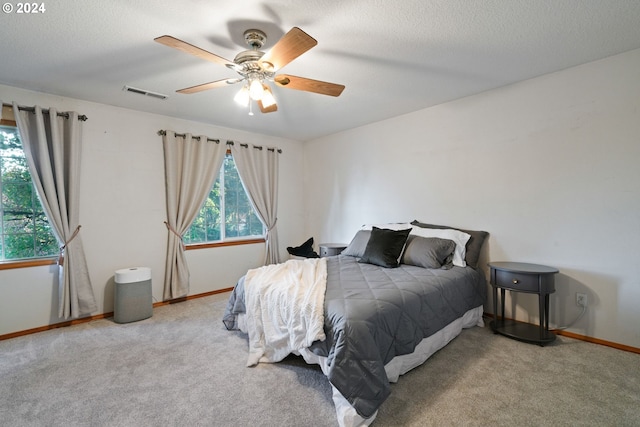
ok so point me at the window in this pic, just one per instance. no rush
(25, 232)
(227, 214)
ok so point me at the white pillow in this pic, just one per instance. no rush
(390, 226)
(457, 236)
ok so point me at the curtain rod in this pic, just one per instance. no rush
(82, 117)
(217, 141)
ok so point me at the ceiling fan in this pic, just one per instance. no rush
(257, 68)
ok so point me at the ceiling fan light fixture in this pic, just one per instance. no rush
(267, 97)
(256, 91)
(242, 97)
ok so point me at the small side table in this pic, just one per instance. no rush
(331, 249)
(523, 277)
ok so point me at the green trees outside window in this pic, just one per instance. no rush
(227, 213)
(25, 232)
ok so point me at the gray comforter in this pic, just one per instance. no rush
(373, 314)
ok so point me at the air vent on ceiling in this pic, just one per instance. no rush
(145, 92)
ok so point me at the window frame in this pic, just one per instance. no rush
(25, 262)
(228, 241)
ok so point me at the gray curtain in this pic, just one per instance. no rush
(52, 145)
(258, 169)
(191, 167)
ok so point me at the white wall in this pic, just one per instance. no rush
(548, 166)
(123, 209)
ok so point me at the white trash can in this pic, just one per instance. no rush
(132, 296)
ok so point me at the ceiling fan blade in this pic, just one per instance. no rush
(270, 109)
(309, 85)
(193, 50)
(289, 47)
(204, 86)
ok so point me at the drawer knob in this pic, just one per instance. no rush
(515, 281)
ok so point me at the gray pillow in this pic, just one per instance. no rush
(474, 245)
(429, 252)
(358, 244)
(385, 247)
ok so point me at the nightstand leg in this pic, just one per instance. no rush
(495, 309)
(543, 314)
(546, 312)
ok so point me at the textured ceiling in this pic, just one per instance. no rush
(393, 57)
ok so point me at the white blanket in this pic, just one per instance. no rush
(285, 308)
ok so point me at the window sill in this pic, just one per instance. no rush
(221, 244)
(8, 265)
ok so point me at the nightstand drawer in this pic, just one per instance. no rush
(517, 281)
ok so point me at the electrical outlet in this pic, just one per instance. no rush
(581, 299)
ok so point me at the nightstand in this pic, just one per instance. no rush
(529, 278)
(331, 249)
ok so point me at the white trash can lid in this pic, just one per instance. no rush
(133, 274)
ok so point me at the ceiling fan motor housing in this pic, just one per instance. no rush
(248, 56)
(249, 65)
(249, 60)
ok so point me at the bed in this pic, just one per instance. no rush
(396, 295)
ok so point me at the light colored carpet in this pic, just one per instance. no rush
(181, 367)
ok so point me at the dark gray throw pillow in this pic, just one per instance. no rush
(385, 247)
(358, 244)
(474, 245)
(429, 252)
